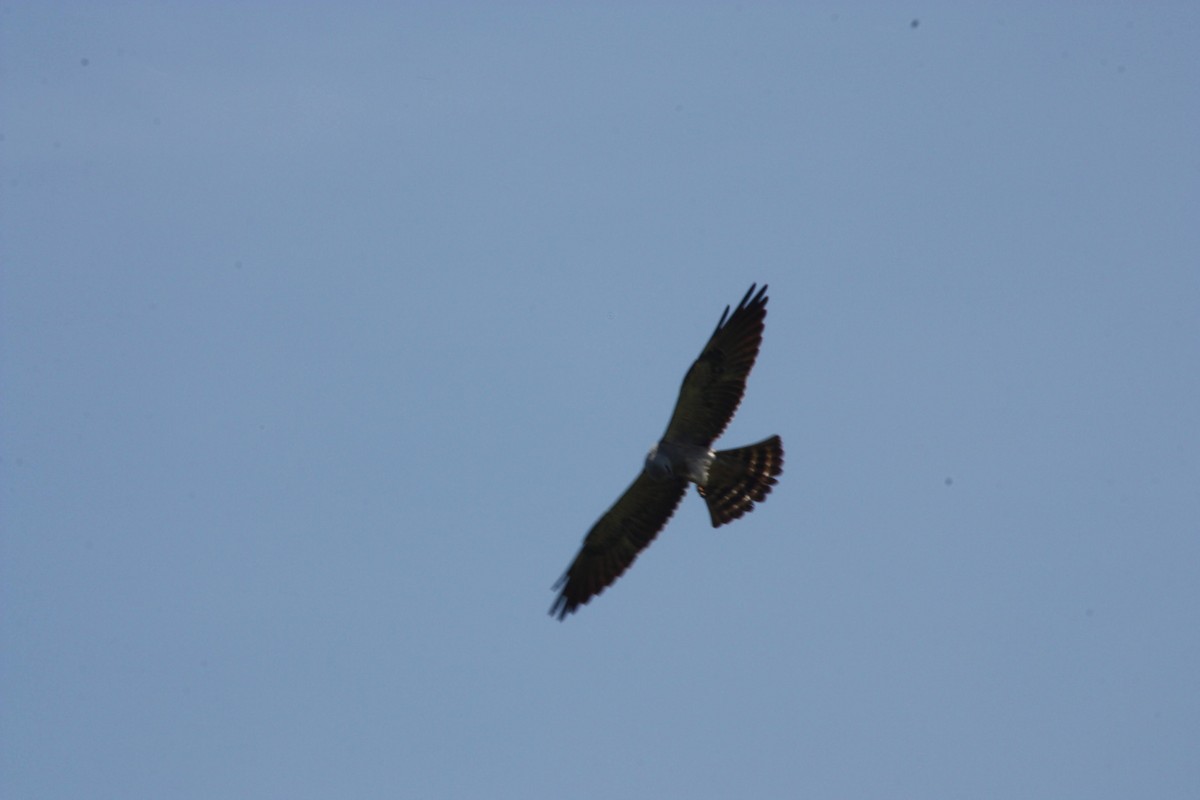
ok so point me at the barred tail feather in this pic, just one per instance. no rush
(740, 478)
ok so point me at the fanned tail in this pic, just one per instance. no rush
(740, 478)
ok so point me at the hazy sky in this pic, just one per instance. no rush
(327, 331)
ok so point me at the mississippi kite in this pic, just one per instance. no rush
(730, 481)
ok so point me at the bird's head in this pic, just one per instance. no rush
(657, 463)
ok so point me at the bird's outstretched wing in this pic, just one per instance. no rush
(616, 539)
(713, 387)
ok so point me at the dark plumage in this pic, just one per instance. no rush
(730, 481)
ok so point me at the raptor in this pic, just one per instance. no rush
(730, 481)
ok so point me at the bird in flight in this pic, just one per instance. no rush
(730, 481)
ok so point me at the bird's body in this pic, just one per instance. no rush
(730, 481)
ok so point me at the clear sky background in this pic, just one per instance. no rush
(328, 331)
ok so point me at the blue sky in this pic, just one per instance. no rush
(328, 331)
